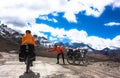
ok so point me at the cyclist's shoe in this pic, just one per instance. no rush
(57, 63)
(64, 63)
(31, 64)
(25, 63)
(26, 72)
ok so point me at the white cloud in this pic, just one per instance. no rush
(45, 17)
(73, 34)
(54, 14)
(116, 3)
(116, 41)
(27, 10)
(20, 12)
(76, 36)
(112, 24)
(53, 39)
(54, 20)
(60, 33)
(98, 43)
(70, 17)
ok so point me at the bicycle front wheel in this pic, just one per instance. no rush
(27, 64)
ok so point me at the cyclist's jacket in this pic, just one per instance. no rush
(58, 49)
(28, 39)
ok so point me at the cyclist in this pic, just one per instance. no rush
(60, 51)
(28, 39)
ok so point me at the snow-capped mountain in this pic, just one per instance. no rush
(76, 45)
(6, 32)
(14, 36)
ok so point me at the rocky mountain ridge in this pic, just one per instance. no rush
(14, 37)
(11, 39)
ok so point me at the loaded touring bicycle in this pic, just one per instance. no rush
(77, 56)
(27, 55)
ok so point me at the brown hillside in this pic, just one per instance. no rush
(7, 45)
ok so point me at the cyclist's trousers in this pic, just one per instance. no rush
(58, 55)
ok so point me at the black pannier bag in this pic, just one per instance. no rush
(26, 50)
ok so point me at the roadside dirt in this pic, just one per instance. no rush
(45, 67)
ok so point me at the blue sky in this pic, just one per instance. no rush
(92, 22)
(96, 26)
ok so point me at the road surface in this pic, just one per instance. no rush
(45, 67)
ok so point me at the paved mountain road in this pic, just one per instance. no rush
(45, 67)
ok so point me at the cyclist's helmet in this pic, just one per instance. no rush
(28, 31)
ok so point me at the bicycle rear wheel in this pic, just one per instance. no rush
(85, 61)
(76, 61)
(70, 59)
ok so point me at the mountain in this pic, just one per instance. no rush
(11, 39)
(7, 45)
(111, 53)
(79, 45)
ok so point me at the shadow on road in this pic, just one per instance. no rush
(31, 74)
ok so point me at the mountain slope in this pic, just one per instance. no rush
(6, 45)
(11, 39)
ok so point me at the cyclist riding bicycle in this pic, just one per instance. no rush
(27, 39)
